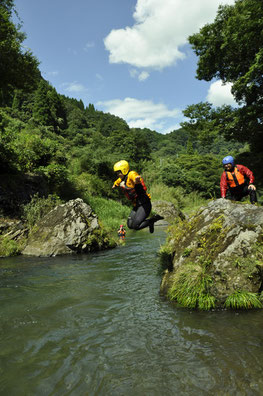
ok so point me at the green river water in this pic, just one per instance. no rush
(96, 325)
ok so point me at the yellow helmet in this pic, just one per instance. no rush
(122, 166)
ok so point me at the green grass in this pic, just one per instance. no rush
(161, 192)
(188, 203)
(39, 207)
(193, 201)
(8, 247)
(191, 288)
(243, 300)
(111, 213)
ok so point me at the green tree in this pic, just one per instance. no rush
(109, 123)
(193, 173)
(8, 159)
(41, 112)
(77, 120)
(131, 145)
(48, 108)
(8, 5)
(231, 49)
(202, 122)
(18, 68)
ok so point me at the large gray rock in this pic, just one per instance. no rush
(167, 210)
(69, 228)
(221, 244)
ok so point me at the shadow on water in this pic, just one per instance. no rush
(96, 325)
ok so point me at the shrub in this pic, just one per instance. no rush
(8, 247)
(88, 185)
(39, 207)
(56, 174)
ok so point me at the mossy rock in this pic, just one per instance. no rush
(224, 241)
(69, 228)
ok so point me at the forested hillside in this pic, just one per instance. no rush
(73, 147)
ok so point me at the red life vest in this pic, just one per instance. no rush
(235, 178)
(122, 234)
(130, 192)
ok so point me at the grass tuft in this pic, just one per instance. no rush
(191, 288)
(243, 300)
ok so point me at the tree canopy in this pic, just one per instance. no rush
(18, 68)
(231, 49)
(74, 147)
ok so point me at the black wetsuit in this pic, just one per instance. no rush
(242, 191)
(138, 216)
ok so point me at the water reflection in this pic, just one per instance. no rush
(96, 325)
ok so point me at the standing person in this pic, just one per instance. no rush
(133, 186)
(121, 232)
(238, 179)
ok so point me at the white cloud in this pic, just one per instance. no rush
(172, 127)
(133, 73)
(219, 94)
(142, 76)
(89, 45)
(161, 28)
(74, 87)
(143, 113)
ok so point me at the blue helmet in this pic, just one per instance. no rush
(228, 160)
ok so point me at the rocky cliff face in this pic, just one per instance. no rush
(215, 258)
(69, 228)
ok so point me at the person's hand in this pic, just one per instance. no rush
(251, 187)
(113, 186)
(122, 184)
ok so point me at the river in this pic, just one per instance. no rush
(96, 325)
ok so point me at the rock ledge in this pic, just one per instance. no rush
(216, 257)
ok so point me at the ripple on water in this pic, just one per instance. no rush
(96, 325)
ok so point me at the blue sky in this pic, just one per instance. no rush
(127, 57)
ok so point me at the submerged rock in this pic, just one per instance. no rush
(69, 228)
(215, 258)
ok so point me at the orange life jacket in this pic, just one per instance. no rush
(131, 192)
(235, 178)
(122, 234)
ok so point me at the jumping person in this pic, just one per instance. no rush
(133, 186)
(238, 179)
